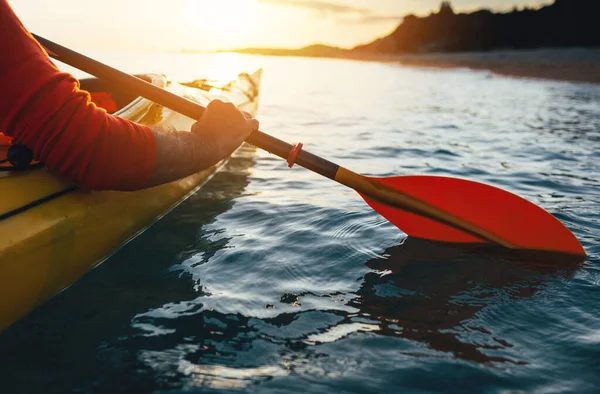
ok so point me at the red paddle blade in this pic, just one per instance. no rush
(497, 211)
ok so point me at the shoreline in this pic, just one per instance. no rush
(559, 64)
(569, 65)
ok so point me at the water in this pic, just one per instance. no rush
(276, 280)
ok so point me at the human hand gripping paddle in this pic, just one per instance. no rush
(429, 207)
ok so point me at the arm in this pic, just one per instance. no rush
(45, 110)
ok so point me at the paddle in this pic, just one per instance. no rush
(429, 207)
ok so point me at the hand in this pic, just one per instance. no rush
(219, 132)
(223, 128)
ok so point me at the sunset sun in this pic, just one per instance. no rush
(228, 19)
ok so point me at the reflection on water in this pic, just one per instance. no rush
(429, 292)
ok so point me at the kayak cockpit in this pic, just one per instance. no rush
(114, 98)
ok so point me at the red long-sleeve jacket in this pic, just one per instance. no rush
(43, 108)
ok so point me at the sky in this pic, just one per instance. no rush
(172, 25)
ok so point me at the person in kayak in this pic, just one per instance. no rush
(44, 109)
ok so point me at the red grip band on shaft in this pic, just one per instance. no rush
(293, 154)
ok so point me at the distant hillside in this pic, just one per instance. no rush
(562, 24)
(565, 23)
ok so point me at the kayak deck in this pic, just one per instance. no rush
(53, 241)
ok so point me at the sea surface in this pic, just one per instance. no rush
(276, 280)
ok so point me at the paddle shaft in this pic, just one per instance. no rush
(269, 143)
(180, 104)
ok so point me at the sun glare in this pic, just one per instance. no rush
(225, 67)
(226, 19)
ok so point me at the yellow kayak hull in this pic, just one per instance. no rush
(49, 246)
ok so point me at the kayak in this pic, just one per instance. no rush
(51, 232)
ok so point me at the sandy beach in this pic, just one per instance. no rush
(572, 64)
